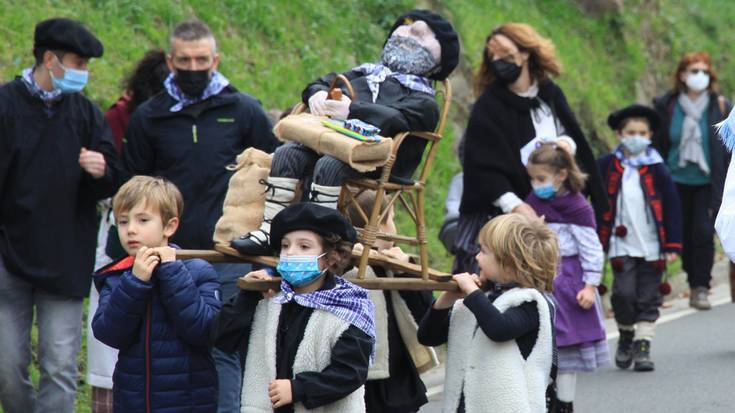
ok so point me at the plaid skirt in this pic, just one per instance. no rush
(101, 400)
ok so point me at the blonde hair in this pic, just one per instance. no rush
(542, 60)
(524, 246)
(557, 158)
(158, 193)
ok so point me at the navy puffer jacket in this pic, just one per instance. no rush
(161, 329)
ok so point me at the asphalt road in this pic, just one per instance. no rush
(695, 371)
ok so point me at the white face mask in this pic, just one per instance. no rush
(697, 82)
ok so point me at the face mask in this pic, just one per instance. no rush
(635, 144)
(697, 81)
(407, 55)
(545, 191)
(192, 82)
(73, 81)
(299, 270)
(506, 72)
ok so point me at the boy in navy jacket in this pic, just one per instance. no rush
(155, 309)
(640, 232)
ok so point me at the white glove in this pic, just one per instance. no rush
(316, 103)
(338, 109)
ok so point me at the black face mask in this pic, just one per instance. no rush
(192, 82)
(506, 72)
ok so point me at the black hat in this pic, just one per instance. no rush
(634, 111)
(309, 216)
(444, 33)
(67, 35)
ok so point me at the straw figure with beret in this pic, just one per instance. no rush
(395, 95)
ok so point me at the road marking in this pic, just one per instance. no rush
(676, 315)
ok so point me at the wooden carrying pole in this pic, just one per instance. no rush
(436, 280)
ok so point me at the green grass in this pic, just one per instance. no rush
(271, 49)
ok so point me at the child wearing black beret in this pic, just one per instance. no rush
(640, 232)
(308, 346)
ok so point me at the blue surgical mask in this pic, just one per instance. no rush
(73, 81)
(299, 270)
(635, 144)
(545, 191)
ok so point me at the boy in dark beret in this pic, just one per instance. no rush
(640, 232)
(395, 95)
(57, 160)
(309, 346)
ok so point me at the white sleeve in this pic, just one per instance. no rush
(725, 222)
(507, 202)
(590, 251)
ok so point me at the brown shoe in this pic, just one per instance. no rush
(698, 298)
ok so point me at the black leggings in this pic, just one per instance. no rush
(698, 249)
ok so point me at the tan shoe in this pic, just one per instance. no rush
(698, 298)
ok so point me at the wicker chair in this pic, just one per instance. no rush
(408, 192)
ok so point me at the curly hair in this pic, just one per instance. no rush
(525, 247)
(557, 158)
(542, 61)
(147, 78)
(340, 251)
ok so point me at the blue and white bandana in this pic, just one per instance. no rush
(649, 157)
(346, 300)
(36, 90)
(377, 73)
(216, 83)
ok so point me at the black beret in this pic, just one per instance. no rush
(444, 33)
(312, 217)
(67, 35)
(634, 111)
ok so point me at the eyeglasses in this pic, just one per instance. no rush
(698, 71)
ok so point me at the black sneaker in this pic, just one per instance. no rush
(563, 407)
(252, 243)
(624, 354)
(642, 357)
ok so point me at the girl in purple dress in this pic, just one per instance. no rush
(557, 184)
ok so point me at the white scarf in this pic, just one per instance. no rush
(690, 147)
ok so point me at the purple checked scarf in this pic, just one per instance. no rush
(346, 300)
(216, 83)
(649, 157)
(377, 73)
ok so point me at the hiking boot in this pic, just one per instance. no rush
(563, 407)
(642, 356)
(624, 354)
(698, 298)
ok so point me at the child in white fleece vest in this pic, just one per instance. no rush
(500, 337)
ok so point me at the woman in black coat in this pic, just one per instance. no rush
(697, 161)
(517, 106)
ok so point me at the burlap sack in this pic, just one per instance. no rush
(307, 129)
(242, 211)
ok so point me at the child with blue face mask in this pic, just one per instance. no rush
(640, 232)
(557, 185)
(310, 344)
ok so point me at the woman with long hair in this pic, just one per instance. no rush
(518, 107)
(697, 160)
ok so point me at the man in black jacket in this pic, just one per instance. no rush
(188, 134)
(57, 160)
